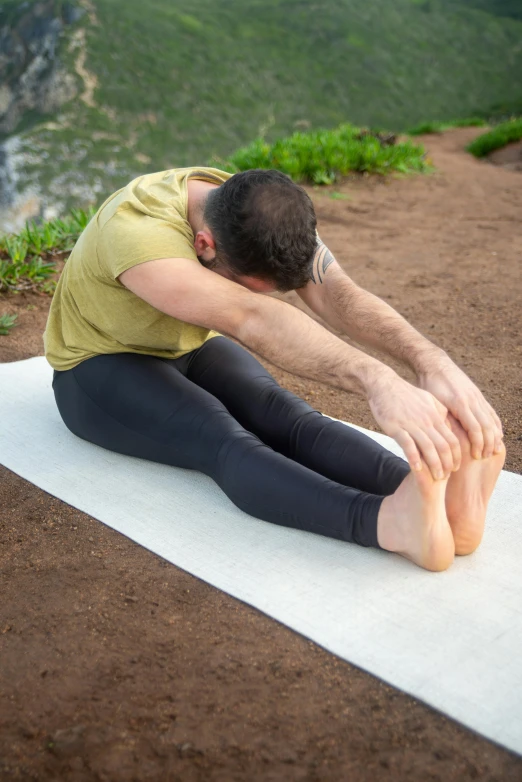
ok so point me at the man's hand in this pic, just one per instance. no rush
(417, 422)
(463, 399)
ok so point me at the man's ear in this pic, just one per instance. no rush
(205, 245)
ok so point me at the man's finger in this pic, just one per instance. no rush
(474, 431)
(441, 409)
(485, 420)
(499, 433)
(495, 417)
(488, 430)
(411, 451)
(429, 451)
(453, 442)
(440, 437)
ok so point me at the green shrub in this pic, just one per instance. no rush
(497, 137)
(323, 156)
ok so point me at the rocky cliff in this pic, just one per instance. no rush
(32, 78)
(34, 82)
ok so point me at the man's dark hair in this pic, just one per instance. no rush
(263, 225)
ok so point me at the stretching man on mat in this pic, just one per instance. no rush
(140, 370)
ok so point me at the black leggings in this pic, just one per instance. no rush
(219, 411)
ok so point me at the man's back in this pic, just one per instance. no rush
(92, 312)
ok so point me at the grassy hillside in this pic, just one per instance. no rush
(168, 83)
(506, 8)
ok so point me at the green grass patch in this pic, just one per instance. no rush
(336, 196)
(6, 323)
(439, 127)
(323, 156)
(26, 258)
(505, 133)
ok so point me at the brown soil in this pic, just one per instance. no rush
(509, 156)
(118, 666)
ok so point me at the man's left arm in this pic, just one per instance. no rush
(371, 322)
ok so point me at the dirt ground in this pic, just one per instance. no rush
(117, 666)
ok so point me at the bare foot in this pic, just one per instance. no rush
(469, 491)
(412, 522)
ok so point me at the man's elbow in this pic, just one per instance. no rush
(245, 322)
(237, 319)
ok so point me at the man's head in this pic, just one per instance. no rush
(263, 230)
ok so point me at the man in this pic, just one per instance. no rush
(140, 370)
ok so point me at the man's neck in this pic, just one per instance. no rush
(197, 192)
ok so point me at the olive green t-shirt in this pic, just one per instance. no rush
(92, 312)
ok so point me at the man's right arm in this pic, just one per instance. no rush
(284, 335)
(293, 341)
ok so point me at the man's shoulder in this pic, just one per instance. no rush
(208, 174)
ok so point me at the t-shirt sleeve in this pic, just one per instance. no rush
(130, 238)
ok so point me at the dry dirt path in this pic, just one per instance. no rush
(117, 666)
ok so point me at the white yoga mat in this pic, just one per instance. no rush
(451, 639)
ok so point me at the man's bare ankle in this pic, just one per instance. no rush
(387, 534)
